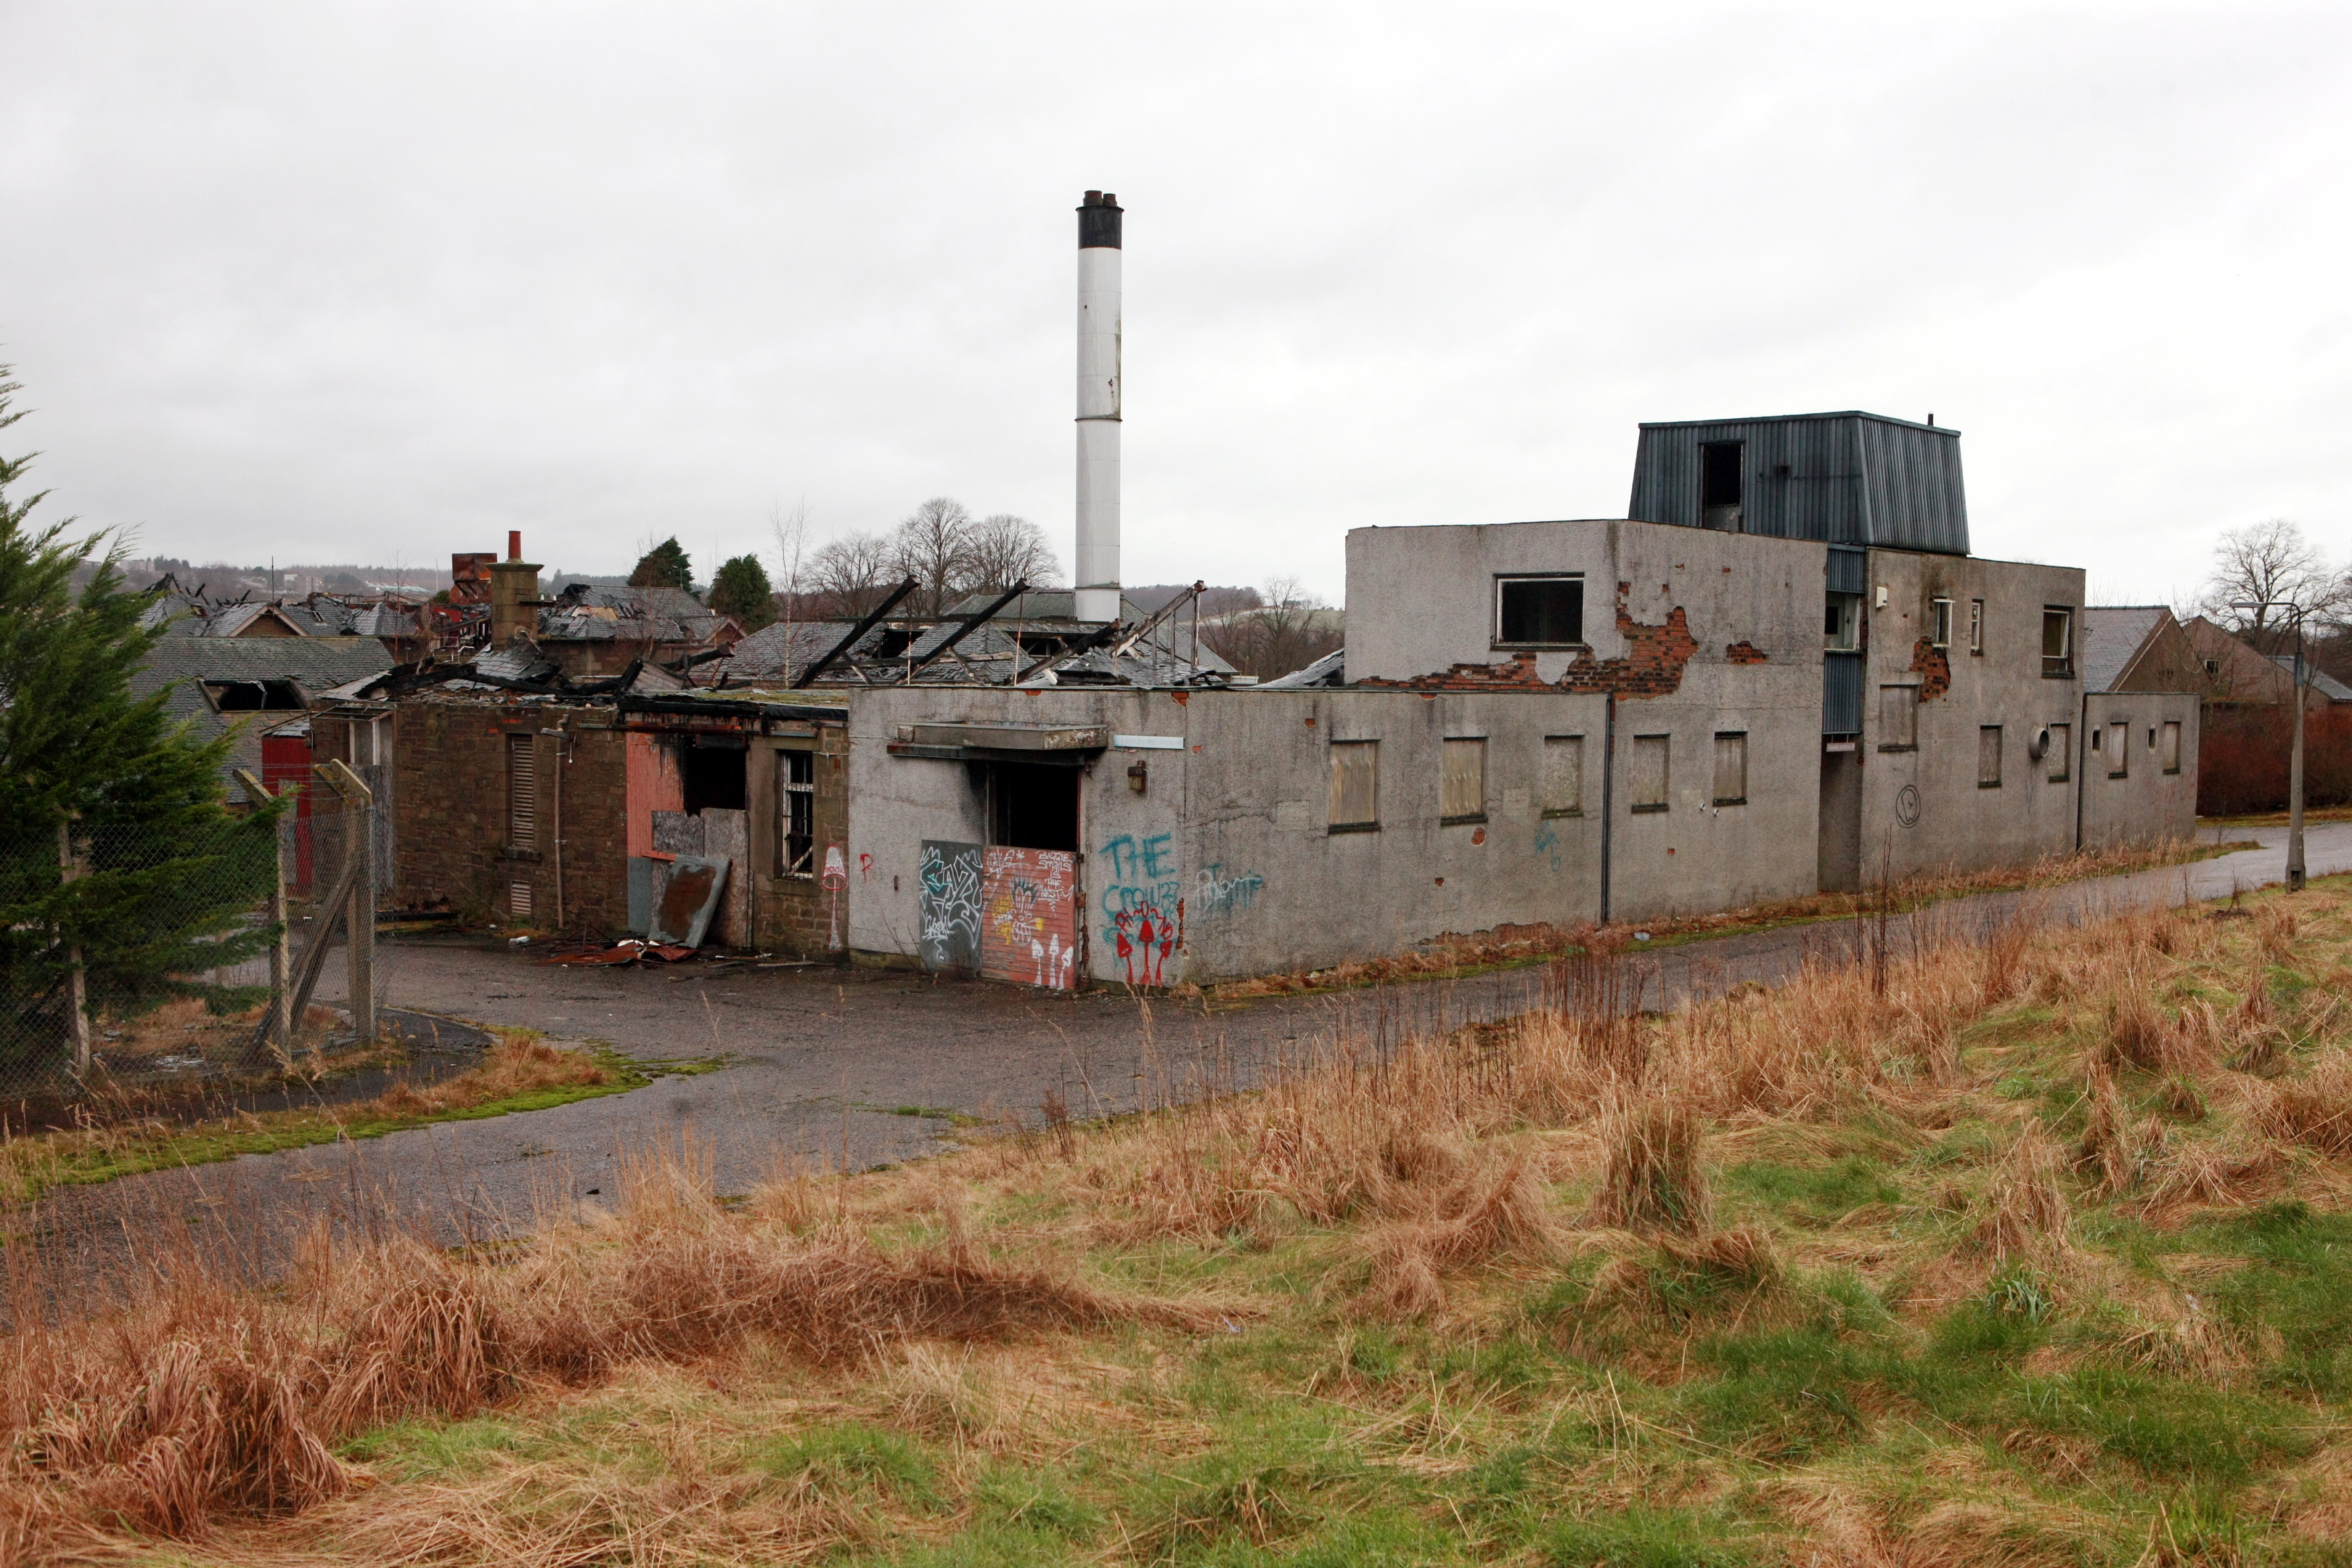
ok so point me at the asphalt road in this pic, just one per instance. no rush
(823, 1065)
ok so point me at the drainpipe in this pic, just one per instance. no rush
(2082, 765)
(1607, 793)
(563, 757)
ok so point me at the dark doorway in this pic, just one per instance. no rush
(1839, 866)
(712, 771)
(1033, 805)
(1719, 489)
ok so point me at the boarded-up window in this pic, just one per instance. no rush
(1462, 782)
(1988, 756)
(1898, 717)
(1355, 786)
(2172, 745)
(2118, 751)
(2061, 752)
(522, 792)
(1563, 776)
(1731, 768)
(795, 814)
(1650, 772)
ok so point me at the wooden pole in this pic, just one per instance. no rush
(281, 1023)
(359, 919)
(77, 982)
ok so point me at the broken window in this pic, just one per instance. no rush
(1650, 772)
(522, 792)
(1462, 782)
(1563, 776)
(1988, 756)
(2118, 750)
(1841, 623)
(1898, 717)
(255, 696)
(1355, 786)
(1539, 612)
(795, 814)
(1976, 625)
(2057, 641)
(1719, 465)
(710, 770)
(1033, 805)
(1940, 633)
(2062, 747)
(2172, 758)
(1731, 768)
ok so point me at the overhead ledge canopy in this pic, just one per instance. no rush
(1066, 745)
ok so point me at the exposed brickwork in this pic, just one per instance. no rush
(796, 914)
(449, 763)
(1652, 669)
(1931, 662)
(1744, 652)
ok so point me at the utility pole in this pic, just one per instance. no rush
(2295, 872)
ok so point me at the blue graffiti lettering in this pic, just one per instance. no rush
(1214, 892)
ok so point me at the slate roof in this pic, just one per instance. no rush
(1331, 669)
(185, 664)
(2112, 633)
(2320, 680)
(587, 614)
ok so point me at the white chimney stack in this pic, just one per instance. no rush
(1098, 399)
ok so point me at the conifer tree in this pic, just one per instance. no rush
(740, 589)
(664, 566)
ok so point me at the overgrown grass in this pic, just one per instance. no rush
(2029, 1249)
(519, 1072)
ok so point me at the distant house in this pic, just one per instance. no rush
(252, 683)
(2137, 648)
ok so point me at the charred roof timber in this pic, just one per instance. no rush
(1847, 478)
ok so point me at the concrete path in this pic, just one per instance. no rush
(825, 1064)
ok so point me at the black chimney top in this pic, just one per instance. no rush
(1098, 222)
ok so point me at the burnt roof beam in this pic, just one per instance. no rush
(966, 630)
(859, 630)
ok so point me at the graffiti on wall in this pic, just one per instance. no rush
(1029, 926)
(1214, 893)
(1143, 904)
(947, 901)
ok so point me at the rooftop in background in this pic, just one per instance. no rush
(216, 682)
(1847, 478)
(2112, 635)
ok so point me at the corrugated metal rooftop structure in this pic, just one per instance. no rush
(1843, 479)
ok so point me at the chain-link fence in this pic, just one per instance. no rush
(141, 956)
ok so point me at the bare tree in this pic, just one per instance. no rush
(2268, 564)
(1004, 550)
(933, 546)
(791, 528)
(1289, 629)
(853, 574)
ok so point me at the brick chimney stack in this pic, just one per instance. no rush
(514, 593)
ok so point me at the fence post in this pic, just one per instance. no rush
(359, 921)
(77, 983)
(280, 1026)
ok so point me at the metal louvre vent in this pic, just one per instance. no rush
(523, 793)
(518, 899)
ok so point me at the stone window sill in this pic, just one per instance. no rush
(1462, 821)
(1639, 810)
(1552, 811)
(1339, 828)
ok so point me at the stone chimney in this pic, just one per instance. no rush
(514, 594)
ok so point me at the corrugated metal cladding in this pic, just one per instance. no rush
(1849, 569)
(1844, 478)
(1841, 694)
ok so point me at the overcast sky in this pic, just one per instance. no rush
(336, 281)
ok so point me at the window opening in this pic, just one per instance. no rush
(1650, 772)
(2057, 641)
(1731, 768)
(1940, 623)
(2062, 746)
(796, 813)
(1976, 625)
(1033, 805)
(2171, 758)
(255, 696)
(1988, 756)
(2212, 666)
(1462, 782)
(1355, 786)
(1563, 776)
(710, 770)
(2118, 750)
(1539, 612)
(1841, 623)
(522, 792)
(1898, 717)
(1719, 465)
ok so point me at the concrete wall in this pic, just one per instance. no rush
(1235, 824)
(1925, 809)
(1421, 600)
(2133, 799)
